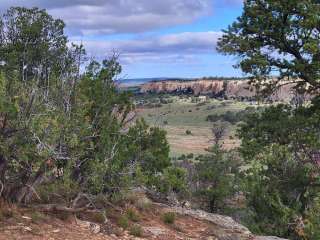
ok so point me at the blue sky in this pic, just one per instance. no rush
(155, 38)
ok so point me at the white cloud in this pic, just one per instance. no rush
(178, 48)
(97, 17)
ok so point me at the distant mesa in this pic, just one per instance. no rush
(231, 88)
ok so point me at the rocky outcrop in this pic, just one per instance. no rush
(216, 88)
(225, 227)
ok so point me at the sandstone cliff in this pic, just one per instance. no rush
(216, 88)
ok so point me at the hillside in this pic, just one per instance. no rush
(214, 87)
(25, 223)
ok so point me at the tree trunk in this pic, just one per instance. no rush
(28, 191)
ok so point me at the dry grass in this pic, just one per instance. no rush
(182, 115)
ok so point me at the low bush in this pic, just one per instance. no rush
(132, 215)
(37, 217)
(169, 218)
(143, 204)
(123, 222)
(136, 231)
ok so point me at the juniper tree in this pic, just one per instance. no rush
(277, 38)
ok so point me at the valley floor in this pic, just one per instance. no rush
(182, 114)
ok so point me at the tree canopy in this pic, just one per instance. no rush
(277, 38)
(61, 128)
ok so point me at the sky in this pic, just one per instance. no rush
(154, 38)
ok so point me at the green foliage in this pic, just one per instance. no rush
(136, 231)
(132, 215)
(169, 217)
(282, 125)
(143, 204)
(32, 39)
(37, 217)
(216, 175)
(70, 130)
(231, 117)
(282, 181)
(287, 28)
(172, 180)
(188, 132)
(123, 222)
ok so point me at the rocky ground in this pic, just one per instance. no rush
(27, 224)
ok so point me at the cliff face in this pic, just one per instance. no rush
(228, 88)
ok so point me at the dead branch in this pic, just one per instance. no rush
(2, 188)
(58, 208)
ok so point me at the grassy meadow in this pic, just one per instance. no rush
(179, 114)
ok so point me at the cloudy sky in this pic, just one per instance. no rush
(155, 38)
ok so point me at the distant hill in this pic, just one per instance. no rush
(214, 87)
(138, 81)
(132, 82)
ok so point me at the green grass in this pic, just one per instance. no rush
(123, 222)
(132, 215)
(182, 116)
(169, 218)
(136, 231)
(184, 112)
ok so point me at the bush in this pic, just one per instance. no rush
(169, 217)
(37, 217)
(188, 132)
(123, 222)
(136, 231)
(143, 204)
(132, 215)
(190, 155)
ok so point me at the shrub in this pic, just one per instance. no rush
(169, 217)
(123, 222)
(37, 217)
(188, 132)
(98, 217)
(136, 231)
(132, 215)
(190, 155)
(143, 204)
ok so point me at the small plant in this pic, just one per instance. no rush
(123, 222)
(37, 217)
(188, 132)
(136, 231)
(132, 215)
(169, 218)
(143, 204)
(190, 155)
(98, 217)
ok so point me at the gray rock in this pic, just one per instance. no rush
(268, 238)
